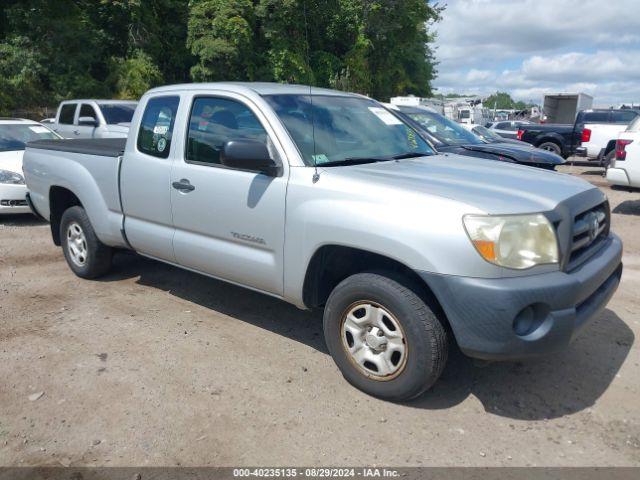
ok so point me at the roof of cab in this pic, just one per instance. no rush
(12, 121)
(100, 101)
(261, 88)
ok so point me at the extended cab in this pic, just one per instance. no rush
(327, 200)
(94, 118)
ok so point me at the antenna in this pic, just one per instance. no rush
(316, 175)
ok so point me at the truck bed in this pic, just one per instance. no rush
(89, 169)
(104, 147)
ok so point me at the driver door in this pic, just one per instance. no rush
(229, 223)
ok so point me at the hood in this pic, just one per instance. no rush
(523, 153)
(12, 161)
(495, 188)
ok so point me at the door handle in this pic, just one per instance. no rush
(77, 132)
(183, 186)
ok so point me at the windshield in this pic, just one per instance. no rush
(445, 130)
(345, 129)
(15, 136)
(115, 113)
(487, 134)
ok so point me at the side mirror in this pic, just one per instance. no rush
(87, 122)
(249, 155)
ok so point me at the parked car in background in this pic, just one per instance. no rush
(490, 136)
(401, 247)
(600, 130)
(451, 137)
(624, 168)
(588, 135)
(508, 129)
(94, 118)
(14, 135)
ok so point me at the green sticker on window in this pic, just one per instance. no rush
(320, 158)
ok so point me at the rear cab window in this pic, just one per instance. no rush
(623, 117)
(67, 112)
(596, 117)
(156, 127)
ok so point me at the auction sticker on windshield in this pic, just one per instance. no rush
(386, 116)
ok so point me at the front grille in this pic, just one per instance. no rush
(590, 229)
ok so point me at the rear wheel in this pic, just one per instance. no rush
(87, 256)
(551, 147)
(383, 337)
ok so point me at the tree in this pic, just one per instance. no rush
(50, 51)
(134, 75)
(502, 100)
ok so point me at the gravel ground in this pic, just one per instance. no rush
(157, 366)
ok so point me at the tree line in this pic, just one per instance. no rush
(52, 50)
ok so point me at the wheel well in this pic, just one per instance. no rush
(611, 145)
(60, 199)
(548, 140)
(331, 264)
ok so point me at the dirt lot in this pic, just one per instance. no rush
(157, 366)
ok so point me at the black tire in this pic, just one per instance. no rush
(551, 147)
(426, 338)
(97, 260)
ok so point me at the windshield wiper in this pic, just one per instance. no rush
(402, 156)
(354, 161)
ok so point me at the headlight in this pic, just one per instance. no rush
(11, 177)
(513, 241)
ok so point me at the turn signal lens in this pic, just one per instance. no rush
(486, 248)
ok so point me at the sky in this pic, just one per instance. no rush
(529, 47)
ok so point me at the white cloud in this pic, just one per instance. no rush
(529, 47)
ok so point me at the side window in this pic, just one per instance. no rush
(66, 113)
(215, 121)
(504, 126)
(156, 127)
(87, 111)
(623, 117)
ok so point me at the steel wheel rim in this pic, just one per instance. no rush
(374, 340)
(77, 244)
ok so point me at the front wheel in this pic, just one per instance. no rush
(86, 255)
(384, 338)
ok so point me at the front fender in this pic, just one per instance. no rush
(427, 236)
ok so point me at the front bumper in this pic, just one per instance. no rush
(12, 199)
(520, 317)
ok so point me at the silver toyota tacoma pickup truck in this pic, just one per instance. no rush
(326, 199)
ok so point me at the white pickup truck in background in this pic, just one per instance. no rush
(94, 118)
(600, 127)
(624, 169)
